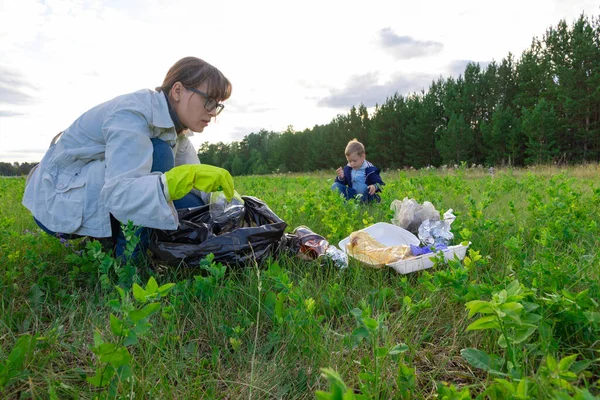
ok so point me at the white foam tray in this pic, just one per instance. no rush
(392, 235)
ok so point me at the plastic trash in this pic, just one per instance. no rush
(339, 257)
(225, 215)
(409, 214)
(437, 233)
(259, 233)
(418, 251)
(312, 246)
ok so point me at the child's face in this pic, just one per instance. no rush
(355, 161)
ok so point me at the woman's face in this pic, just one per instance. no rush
(190, 106)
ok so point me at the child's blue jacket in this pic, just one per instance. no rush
(371, 176)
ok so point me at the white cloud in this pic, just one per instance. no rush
(283, 58)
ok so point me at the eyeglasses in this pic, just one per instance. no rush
(211, 103)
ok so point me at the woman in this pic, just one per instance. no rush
(130, 159)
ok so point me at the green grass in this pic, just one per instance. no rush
(266, 331)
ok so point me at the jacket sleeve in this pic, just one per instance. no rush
(131, 191)
(347, 176)
(375, 179)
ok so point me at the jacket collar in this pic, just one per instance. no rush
(161, 116)
(179, 127)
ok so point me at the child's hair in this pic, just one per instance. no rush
(354, 146)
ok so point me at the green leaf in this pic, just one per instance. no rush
(116, 325)
(381, 352)
(97, 338)
(502, 296)
(15, 358)
(138, 293)
(124, 373)
(399, 348)
(489, 322)
(106, 348)
(529, 306)
(164, 289)
(151, 286)
(131, 338)
(479, 306)
(565, 363)
(279, 306)
(511, 307)
(592, 316)
(366, 377)
(530, 319)
(482, 360)
(522, 388)
(514, 288)
(512, 310)
(121, 292)
(142, 327)
(24, 345)
(361, 333)
(117, 358)
(102, 377)
(270, 301)
(370, 323)
(581, 366)
(149, 309)
(551, 363)
(523, 333)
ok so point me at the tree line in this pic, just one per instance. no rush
(15, 169)
(543, 107)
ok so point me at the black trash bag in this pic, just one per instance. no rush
(261, 233)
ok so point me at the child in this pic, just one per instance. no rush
(359, 178)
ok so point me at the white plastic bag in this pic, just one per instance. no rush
(409, 214)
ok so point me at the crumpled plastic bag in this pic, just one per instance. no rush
(225, 215)
(437, 233)
(409, 214)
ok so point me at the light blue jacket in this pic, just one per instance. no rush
(101, 166)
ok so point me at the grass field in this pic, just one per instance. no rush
(519, 318)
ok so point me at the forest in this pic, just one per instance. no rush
(540, 108)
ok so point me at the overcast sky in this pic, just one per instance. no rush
(296, 63)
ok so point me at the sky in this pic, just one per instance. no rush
(298, 63)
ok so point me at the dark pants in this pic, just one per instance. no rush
(350, 193)
(162, 161)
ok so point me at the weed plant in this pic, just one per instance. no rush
(518, 318)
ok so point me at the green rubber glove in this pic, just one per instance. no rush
(208, 178)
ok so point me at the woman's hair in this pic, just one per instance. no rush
(191, 72)
(354, 146)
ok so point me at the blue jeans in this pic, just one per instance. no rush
(162, 161)
(350, 193)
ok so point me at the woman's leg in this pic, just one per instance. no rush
(67, 236)
(163, 160)
(190, 200)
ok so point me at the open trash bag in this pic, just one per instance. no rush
(234, 232)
